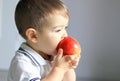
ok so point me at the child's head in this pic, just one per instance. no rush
(37, 13)
(42, 23)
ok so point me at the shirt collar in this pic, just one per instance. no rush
(35, 57)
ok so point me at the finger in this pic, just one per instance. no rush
(60, 53)
(78, 57)
(75, 62)
(67, 58)
(72, 57)
(75, 56)
(73, 65)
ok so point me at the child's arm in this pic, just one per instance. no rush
(70, 75)
(56, 74)
(62, 65)
(59, 68)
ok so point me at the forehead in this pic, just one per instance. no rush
(57, 20)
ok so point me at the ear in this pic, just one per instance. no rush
(31, 35)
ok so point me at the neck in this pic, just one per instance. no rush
(44, 55)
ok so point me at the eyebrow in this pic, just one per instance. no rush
(61, 26)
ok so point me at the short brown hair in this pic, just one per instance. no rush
(34, 13)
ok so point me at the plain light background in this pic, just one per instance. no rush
(94, 23)
(0, 16)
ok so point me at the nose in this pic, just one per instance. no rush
(64, 34)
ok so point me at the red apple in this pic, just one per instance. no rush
(69, 45)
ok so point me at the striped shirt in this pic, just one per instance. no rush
(28, 65)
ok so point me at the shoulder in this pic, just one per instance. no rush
(23, 62)
(23, 68)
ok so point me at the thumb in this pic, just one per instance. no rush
(60, 53)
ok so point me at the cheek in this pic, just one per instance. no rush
(50, 45)
(49, 42)
(53, 44)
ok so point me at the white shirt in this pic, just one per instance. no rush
(28, 65)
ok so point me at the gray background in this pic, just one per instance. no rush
(94, 23)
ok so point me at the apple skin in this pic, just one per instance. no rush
(69, 45)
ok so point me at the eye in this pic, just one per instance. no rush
(58, 30)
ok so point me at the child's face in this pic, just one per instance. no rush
(52, 33)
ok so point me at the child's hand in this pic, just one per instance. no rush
(63, 66)
(66, 62)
